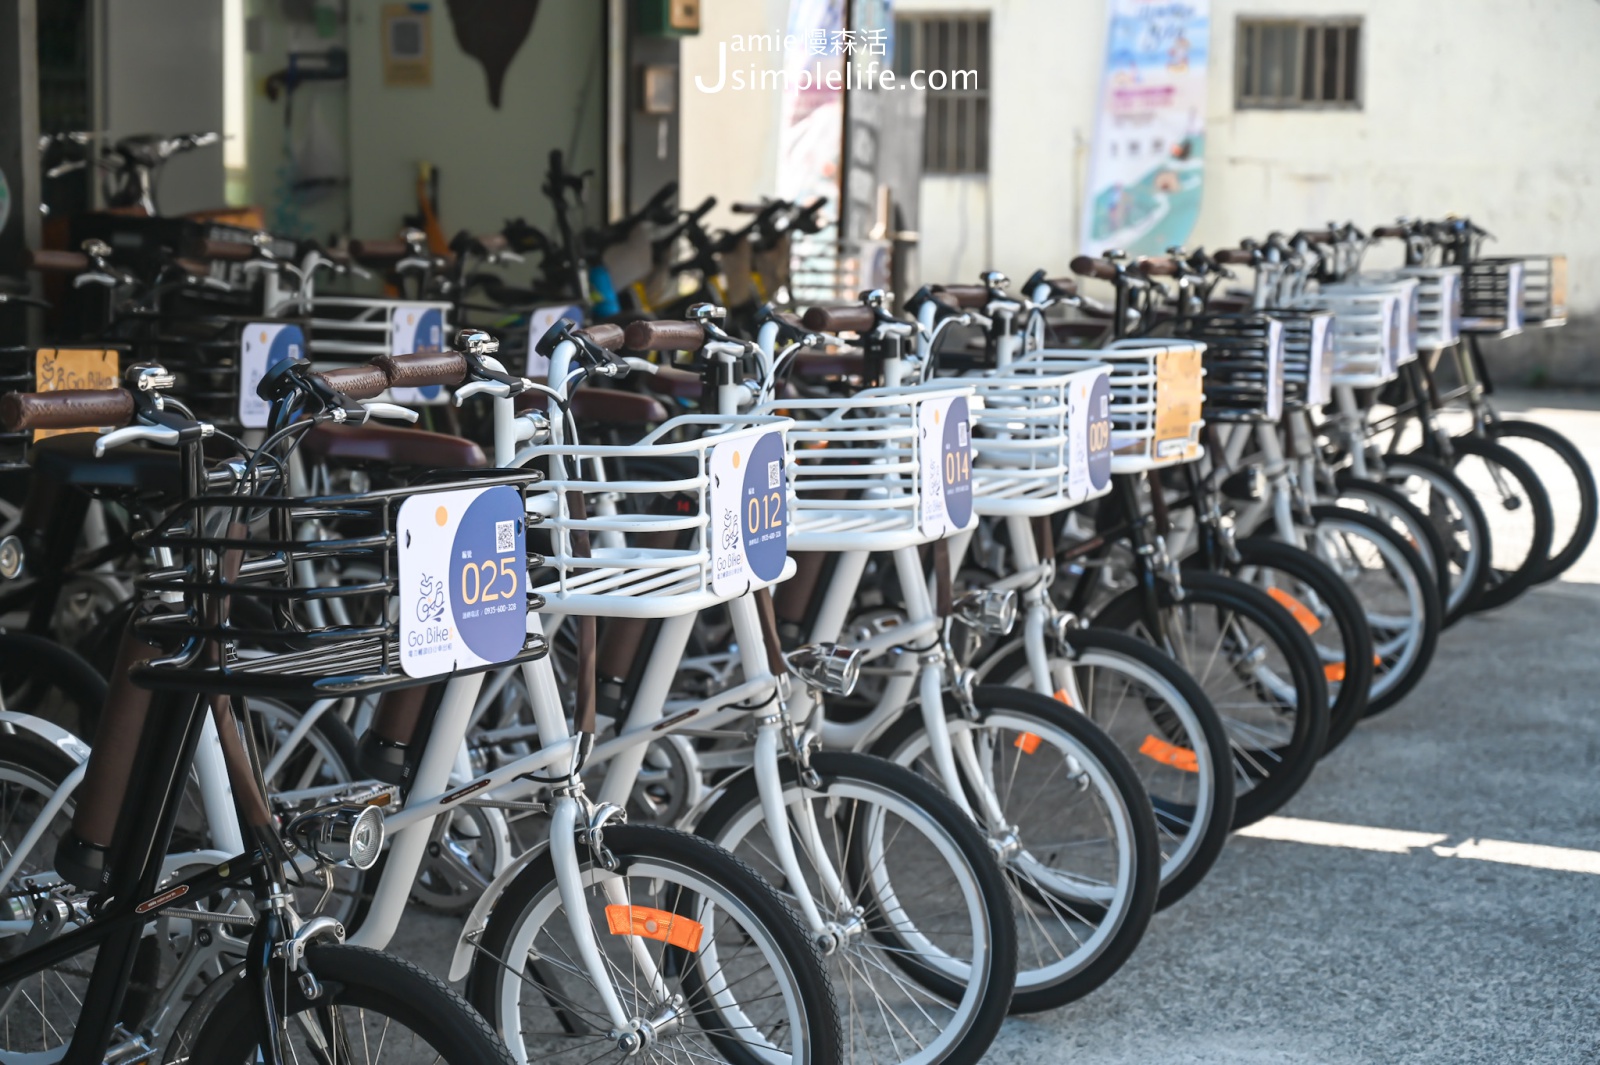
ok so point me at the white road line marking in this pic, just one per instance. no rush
(1398, 841)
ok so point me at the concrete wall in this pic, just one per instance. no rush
(1471, 106)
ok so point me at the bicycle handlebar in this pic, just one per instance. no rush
(421, 369)
(1390, 231)
(604, 335)
(1088, 266)
(665, 336)
(969, 297)
(1158, 266)
(50, 261)
(1233, 256)
(856, 318)
(70, 408)
(356, 382)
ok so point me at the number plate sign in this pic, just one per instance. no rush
(414, 328)
(262, 346)
(1179, 396)
(944, 435)
(463, 579)
(55, 369)
(1319, 365)
(1088, 433)
(1390, 323)
(540, 319)
(749, 505)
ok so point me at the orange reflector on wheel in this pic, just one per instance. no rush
(651, 923)
(1062, 697)
(1301, 612)
(1333, 671)
(1026, 742)
(1169, 754)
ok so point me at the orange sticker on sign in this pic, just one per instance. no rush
(55, 369)
(1171, 754)
(1302, 613)
(1026, 742)
(650, 923)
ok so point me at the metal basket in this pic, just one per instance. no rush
(1438, 305)
(1370, 330)
(1157, 397)
(351, 329)
(859, 467)
(1307, 356)
(1492, 296)
(291, 597)
(1243, 363)
(16, 375)
(1544, 291)
(1034, 439)
(653, 541)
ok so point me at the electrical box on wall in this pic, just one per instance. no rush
(668, 18)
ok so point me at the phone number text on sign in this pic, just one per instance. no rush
(749, 512)
(944, 433)
(463, 577)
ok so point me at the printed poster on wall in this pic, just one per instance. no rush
(1148, 155)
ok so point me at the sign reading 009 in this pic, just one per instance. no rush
(944, 428)
(1089, 407)
(463, 579)
(749, 512)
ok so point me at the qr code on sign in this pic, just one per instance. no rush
(505, 536)
(961, 434)
(774, 473)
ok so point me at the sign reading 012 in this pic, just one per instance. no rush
(749, 512)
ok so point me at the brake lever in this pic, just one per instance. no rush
(379, 409)
(156, 434)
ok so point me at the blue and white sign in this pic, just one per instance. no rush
(749, 511)
(414, 328)
(1088, 433)
(540, 319)
(463, 579)
(944, 436)
(262, 346)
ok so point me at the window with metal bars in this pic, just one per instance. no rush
(1308, 64)
(950, 54)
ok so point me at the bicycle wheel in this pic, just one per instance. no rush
(370, 1008)
(1072, 826)
(1259, 670)
(1406, 518)
(921, 897)
(1166, 728)
(1566, 475)
(1331, 615)
(1453, 511)
(1395, 589)
(743, 984)
(1521, 521)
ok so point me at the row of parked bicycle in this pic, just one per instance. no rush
(829, 691)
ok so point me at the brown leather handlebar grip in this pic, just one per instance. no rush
(1318, 236)
(1062, 286)
(357, 382)
(378, 252)
(665, 336)
(605, 335)
(1389, 231)
(972, 297)
(70, 408)
(1233, 256)
(855, 318)
(1087, 266)
(1158, 266)
(53, 261)
(226, 251)
(422, 369)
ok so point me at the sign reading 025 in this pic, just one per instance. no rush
(944, 431)
(749, 512)
(463, 579)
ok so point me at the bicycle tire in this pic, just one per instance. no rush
(658, 851)
(1017, 714)
(1394, 506)
(1395, 673)
(1335, 602)
(1522, 565)
(1266, 777)
(368, 981)
(1564, 551)
(1466, 587)
(735, 821)
(1209, 817)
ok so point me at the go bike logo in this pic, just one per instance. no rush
(463, 569)
(749, 512)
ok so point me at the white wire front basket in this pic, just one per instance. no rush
(880, 470)
(1373, 329)
(1438, 305)
(1307, 356)
(353, 329)
(666, 526)
(1041, 438)
(1157, 397)
(1544, 291)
